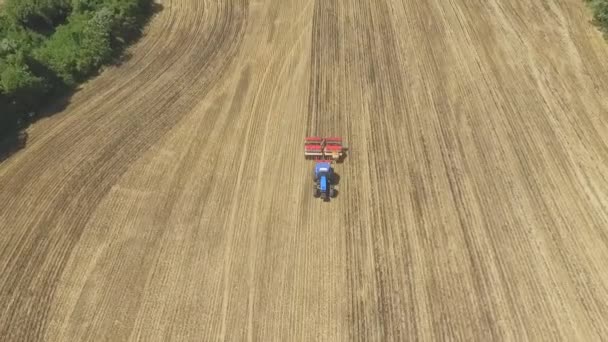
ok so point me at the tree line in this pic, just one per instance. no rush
(600, 13)
(47, 47)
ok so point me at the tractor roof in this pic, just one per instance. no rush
(323, 167)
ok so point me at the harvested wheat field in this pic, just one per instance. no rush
(170, 199)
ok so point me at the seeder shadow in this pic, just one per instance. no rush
(342, 157)
(335, 180)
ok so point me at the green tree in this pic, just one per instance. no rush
(600, 13)
(79, 48)
(48, 46)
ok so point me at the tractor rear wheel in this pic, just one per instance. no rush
(325, 196)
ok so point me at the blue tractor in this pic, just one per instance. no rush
(324, 181)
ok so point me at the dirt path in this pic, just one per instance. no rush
(170, 199)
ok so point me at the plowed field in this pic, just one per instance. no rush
(170, 200)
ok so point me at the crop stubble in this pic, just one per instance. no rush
(171, 199)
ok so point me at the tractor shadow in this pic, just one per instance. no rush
(335, 180)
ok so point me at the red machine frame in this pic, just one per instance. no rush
(331, 148)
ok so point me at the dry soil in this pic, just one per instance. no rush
(170, 199)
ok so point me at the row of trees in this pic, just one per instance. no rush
(600, 13)
(48, 46)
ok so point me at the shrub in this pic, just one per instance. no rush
(78, 48)
(600, 13)
(38, 14)
(49, 46)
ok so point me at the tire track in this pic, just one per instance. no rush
(431, 141)
(170, 200)
(37, 250)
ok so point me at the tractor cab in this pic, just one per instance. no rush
(324, 180)
(322, 167)
(324, 151)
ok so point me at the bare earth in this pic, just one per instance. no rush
(170, 200)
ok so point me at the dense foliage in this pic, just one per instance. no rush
(600, 13)
(49, 46)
